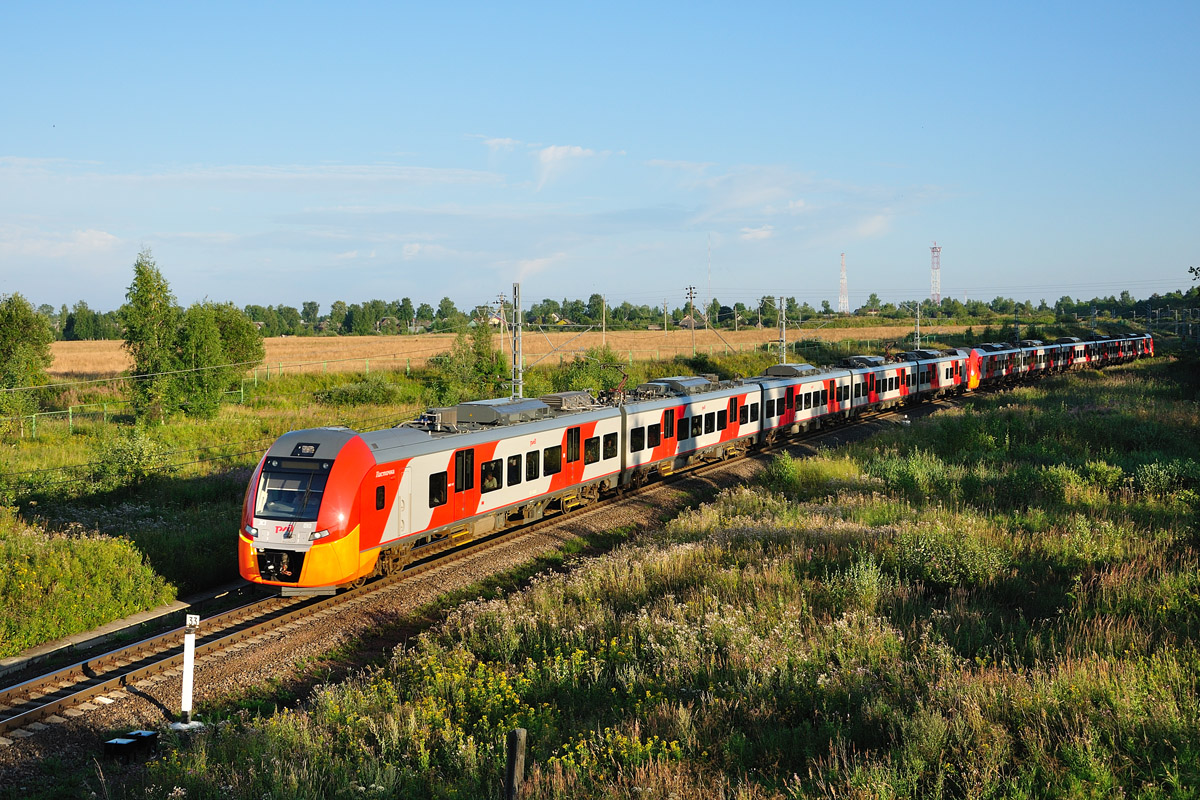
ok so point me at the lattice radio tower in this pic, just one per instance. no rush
(935, 274)
(843, 294)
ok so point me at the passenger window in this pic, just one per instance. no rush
(710, 422)
(591, 450)
(807, 400)
(437, 489)
(464, 470)
(552, 460)
(743, 415)
(769, 410)
(610, 445)
(489, 475)
(532, 462)
(722, 419)
(637, 440)
(733, 408)
(379, 498)
(572, 445)
(824, 397)
(514, 470)
(681, 429)
(790, 400)
(697, 426)
(754, 412)
(654, 435)
(669, 423)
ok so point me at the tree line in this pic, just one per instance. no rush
(404, 316)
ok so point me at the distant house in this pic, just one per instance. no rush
(654, 327)
(689, 323)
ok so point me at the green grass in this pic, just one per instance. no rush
(67, 583)
(1015, 616)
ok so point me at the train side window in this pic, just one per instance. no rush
(610, 445)
(464, 470)
(722, 419)
(754, 412)
(857, 389)
(824, 397)
(654, 435)
(379, 498)
(637, 440)
(733, 408)
(710, 422)
(669, 423)
(808, 400)
(769, 410)
(514, 470)
(489, 475)
(437, 489)
(552, 460)
(591, 450)
(572, 445)
(743, 415)
(532, 464)
(791, 400)
(682, 428)
(697, 426)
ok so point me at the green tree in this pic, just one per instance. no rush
(151, 320)
(241, 342)
(310, 312)
(337, 315)
(201, 358)
(25, 338)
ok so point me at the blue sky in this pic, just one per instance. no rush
(277, 153)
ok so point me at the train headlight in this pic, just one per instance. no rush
(251, 531)
(318, 535)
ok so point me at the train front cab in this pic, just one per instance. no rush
(300, 515)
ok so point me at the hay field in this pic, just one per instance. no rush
(89, 360)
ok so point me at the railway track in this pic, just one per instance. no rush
(70, 691)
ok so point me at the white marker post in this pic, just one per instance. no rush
(189, 665)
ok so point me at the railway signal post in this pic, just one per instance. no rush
(189, 665)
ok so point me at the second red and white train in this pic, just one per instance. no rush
(328, 507)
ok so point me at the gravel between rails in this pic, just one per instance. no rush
(276, 658)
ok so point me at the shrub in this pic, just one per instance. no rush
(375, 390)
(131, 456)
(57, 585)
(944, 558)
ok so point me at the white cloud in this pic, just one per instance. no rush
(755, 234)
(412, 250)
(553, 160)
(18, 241)
(876, 225)
(505, 144)
(528, 267)
(349, 255)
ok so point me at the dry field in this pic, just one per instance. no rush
(88, 360)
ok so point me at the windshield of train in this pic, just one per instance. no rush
(289, 495)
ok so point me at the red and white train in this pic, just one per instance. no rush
(329, 507)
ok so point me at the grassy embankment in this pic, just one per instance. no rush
(998, 602)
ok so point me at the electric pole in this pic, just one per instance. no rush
(518, 357)
(691, 297)
(782, 332)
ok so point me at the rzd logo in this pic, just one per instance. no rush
(286, 530)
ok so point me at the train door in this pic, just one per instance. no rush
(464, 484)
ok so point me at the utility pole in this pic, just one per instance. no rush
(503, 323)
(603, 321)
(664, 316)
(782, 331)
(518, 358)
(691, 297)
